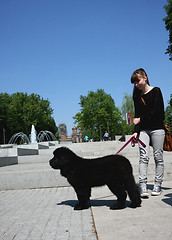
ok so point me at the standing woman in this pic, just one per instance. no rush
(148, 126)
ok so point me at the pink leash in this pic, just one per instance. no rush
(133, 141)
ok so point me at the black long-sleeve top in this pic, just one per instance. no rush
(151, 113)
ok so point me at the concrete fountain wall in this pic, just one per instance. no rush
(9, 154)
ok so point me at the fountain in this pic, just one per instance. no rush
(46, 136)
(16, 137)
(42, 137)
(33, 135)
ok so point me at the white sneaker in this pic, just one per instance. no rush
(156, 191)
(144, 192)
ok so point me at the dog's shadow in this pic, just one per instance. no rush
(94, 202)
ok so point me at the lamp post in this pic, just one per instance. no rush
(100, 133)
(4, 135)
(108, 127)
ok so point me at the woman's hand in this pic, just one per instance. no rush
(134, 135)
(136, 121)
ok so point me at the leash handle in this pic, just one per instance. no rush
(142, 143)
(133, 141)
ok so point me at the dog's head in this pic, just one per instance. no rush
(62, 158)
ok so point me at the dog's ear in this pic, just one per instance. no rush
(63, 160)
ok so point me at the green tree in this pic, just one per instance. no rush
(127, 107)
(168, 114)
(98, 114)
(168, 25)
(23, 110)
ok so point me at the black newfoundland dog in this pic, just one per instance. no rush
(114, 170)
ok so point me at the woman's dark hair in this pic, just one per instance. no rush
(135, 77)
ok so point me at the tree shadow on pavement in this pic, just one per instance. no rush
(168, 199)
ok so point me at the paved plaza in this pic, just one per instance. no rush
(48, 214)
(36, 202)
(43, 214)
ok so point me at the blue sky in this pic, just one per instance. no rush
(64, 49)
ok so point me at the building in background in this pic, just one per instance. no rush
(76, 134)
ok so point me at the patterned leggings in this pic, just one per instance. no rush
(157, 140)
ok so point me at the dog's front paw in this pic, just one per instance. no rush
(80, 207)
(135, 205)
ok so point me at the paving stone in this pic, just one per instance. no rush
(44, 214)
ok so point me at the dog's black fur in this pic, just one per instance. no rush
(114, 170)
